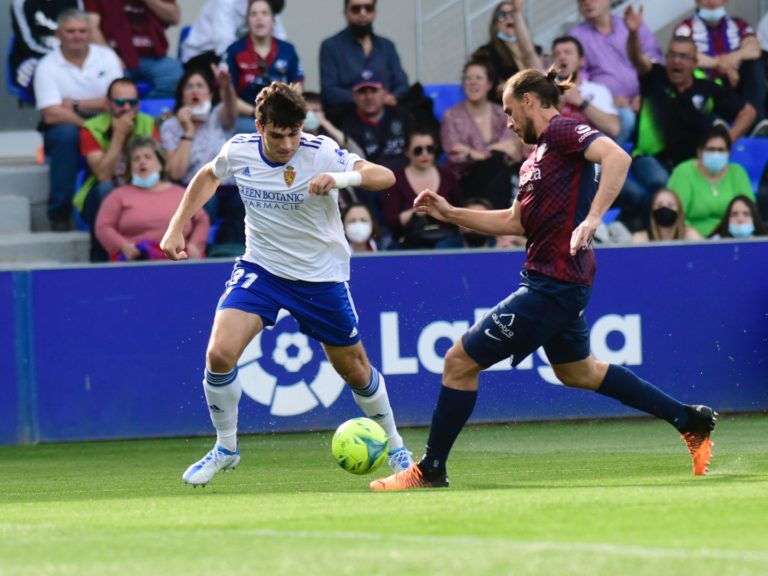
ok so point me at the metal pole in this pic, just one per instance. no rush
(467, 30)
(419, 42)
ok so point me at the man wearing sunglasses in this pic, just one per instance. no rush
(103, 140)
(70, 84)
(345, 56)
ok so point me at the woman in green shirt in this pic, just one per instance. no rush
(706, 184)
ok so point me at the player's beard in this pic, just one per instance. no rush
(529, 133)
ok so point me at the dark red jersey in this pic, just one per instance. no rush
(557, 185)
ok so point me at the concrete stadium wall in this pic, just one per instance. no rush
(118, 351)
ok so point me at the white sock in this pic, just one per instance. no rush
(374, 402)
(222, 393)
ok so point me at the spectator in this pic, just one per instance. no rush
(360, 228)
(379, 129)
(257, 60)
(470, 238)
(728, 50)
(667, 221)
(345, 56)
(201, 123)
(318, 124)
(480, 148)
(194, 135)
(509, 47)
(510, 241)
(409, 229)
(588, 102)
(708, 182)
(103, 139)
(219, 24)
(132, 220)
(741, 220)
(34, 36)
(70, 84)
(136, 30)
(604, 38)
(678, 108)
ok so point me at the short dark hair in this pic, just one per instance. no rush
(281, 104)
(486, 65)
(717, 131)
(117, 81)
(569, 40)
(346, 4)
(421, 131)
(206, 75)
(312, 97)
(684, 40)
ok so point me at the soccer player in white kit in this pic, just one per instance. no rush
(296, 258)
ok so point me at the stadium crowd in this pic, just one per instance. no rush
(679, 110)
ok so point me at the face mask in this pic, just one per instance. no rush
(712, 14)
(714, 161)
(312, 121)
(665, 216)
(361, 30)
(506, 37)
(474, 239)
(741, 230)
(201, 112)
(147, 182)
(359, 231)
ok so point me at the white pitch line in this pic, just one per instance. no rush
(534, 545)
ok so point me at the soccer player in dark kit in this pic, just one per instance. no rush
(558, 209)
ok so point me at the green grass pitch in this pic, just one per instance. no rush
(609, 497)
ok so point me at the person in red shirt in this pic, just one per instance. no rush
(135, 29)
(558, 210)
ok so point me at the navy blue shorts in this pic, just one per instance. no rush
(324, 310)
(539, 313)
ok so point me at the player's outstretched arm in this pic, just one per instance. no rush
(202, 187)
(614, 166)
(491, 222)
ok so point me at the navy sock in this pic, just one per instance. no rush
(454, 407)
(631, 390)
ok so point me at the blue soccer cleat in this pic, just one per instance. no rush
(217, 460)
(399, 459)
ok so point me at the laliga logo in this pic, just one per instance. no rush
(280, 369)
(603, 340)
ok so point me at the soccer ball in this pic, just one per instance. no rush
(359, 445)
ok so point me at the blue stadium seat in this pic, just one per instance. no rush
(752, 153)
(157, 107)
(444, 96)
(144, 88)
(183, 36)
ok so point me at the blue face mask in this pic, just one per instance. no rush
(714, 161)
(741, 230)
(712, 14)
(147, 182)
(506, 37)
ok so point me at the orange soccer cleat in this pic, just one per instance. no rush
(701, 422)
(411, 477)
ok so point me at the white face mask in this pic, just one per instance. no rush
(312, 121)
(201, 112)
(358, 231)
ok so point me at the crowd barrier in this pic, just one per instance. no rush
(117, 352)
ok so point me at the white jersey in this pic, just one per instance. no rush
(289, 232)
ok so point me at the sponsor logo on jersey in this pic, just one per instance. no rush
(289, 175)
(540, 151)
